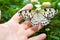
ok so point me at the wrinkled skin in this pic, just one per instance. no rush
(12, 30)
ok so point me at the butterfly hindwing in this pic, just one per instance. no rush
(39, 18)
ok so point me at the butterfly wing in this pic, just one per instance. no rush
(27, 14)
(39, 18)
(50, 12)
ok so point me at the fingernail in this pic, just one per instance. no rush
(42, 36)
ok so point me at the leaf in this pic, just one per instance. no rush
(55, 37)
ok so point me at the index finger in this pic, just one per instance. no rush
(16, 17)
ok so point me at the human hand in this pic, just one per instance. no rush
(12, 30)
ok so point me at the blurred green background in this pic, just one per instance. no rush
(10, 7)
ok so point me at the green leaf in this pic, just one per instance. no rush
(55, 37)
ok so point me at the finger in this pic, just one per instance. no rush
(28, 6)
(18, 18)
(27, 24)
(32, 30)
(39, 37)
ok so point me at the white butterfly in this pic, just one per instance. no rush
(42, 16)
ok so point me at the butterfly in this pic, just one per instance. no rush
(37, 16)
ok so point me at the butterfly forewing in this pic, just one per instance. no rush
(49, 12)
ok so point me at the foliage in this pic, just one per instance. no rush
(10, 7)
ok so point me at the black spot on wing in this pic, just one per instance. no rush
(20, 12)
(29, 10)
(49, 9)
(55, 9)
(25, 11)
(45, 9)
(49, 13)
